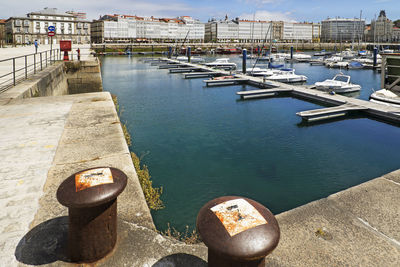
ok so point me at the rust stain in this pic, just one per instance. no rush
(238, 215)
(94, 177)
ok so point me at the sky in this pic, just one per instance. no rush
(287, 10)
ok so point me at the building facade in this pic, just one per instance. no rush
(2, 32)
(25, 30)
(301, 32)
(126, 28)
(381, 29)
(246, 31)
(342, 30)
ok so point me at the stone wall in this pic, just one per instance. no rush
(62, 78)
(83, 76)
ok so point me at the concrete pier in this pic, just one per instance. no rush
(382, 112)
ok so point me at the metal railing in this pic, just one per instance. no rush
(16, 69)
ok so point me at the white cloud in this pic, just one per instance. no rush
(156, 8)
(262, 2)
(267, 15)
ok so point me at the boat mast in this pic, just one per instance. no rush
(360, 31)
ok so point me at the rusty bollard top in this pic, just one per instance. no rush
(238, 228)
(91, 187)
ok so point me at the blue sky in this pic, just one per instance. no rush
(289, 10)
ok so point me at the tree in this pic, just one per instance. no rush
(397, 23)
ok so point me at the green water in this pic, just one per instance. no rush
(201, 143)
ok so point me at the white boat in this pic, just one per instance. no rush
(287, 76)
(192, 59)
(317, 62)
(355, 65)
(221, 62)
(333, 59)
(339, 64)
(385, 97)
(347, 54)
(279, 57)
(339, 84)
(302, 57)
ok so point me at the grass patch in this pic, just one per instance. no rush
(189, 237)
(151, 194)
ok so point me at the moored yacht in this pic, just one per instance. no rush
(192, 59)
(386, 97)
(287, 76)
(221, 62)
(339, 84)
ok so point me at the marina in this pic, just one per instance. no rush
(386, 113)
(208, 141)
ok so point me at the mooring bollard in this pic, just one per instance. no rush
(244, 54)
(237, 231)
(291, 52)
(169, 51)
(189, 53)
(375, 56)
(91, 198)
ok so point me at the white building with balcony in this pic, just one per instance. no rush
(342, 30)
(301, 32)
(126, 28)
(23, 30)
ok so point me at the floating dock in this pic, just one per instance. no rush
(342, 105)
(204, 74)
(225, 82)
(262, 93)
(329, 113)
(183, 70)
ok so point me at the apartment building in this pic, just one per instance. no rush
(342, 30)
(2, 32)
(127, 28)
(34, 26)
(248, 31)
(303, 32)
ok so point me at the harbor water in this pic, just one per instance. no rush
(200, 143)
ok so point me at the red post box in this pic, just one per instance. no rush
(65, 45)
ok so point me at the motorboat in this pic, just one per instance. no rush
(363, 53)
(323, 53)
(287, 76)
(256, 71)
(339, 64)
(221, 62)
(385, 97)
(347, 54)
(333, 59)
(339, 84)
(279, 57)
(355, 65)
(302, 57)
(192, 59)
(317, 62)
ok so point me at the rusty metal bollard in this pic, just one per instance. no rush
(91, 198)
(237, 231)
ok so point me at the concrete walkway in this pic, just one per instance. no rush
(7, 66)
